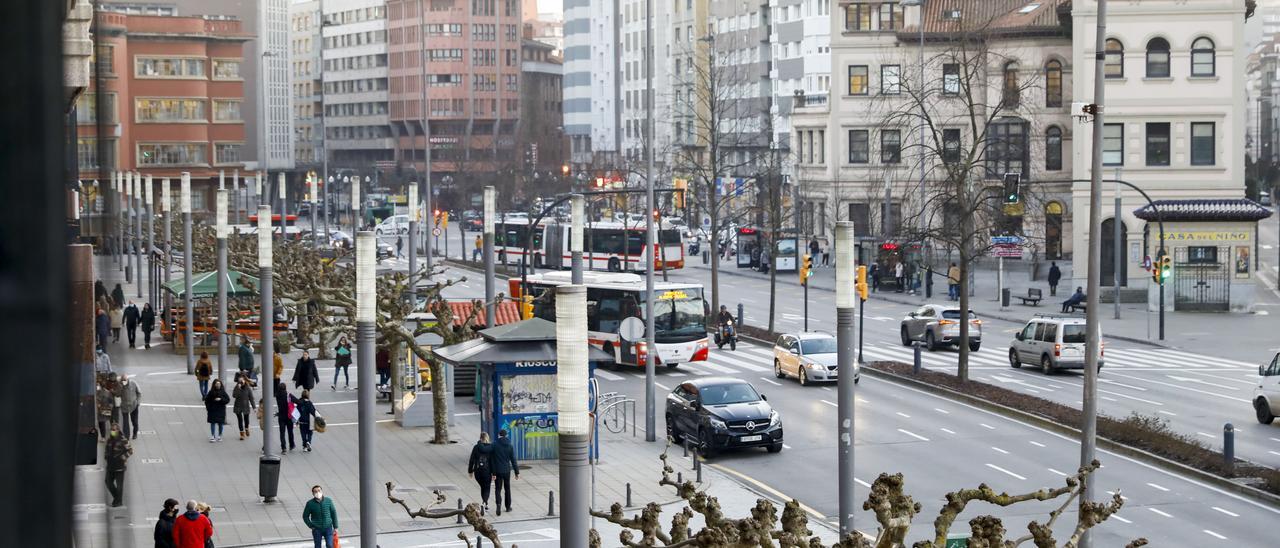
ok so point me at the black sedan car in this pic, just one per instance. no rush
(718, 413)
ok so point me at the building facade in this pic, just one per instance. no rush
(306, 84)
(592, 86)
(541, 136)
(354, 72)
(170, 100)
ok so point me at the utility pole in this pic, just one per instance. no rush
(221, 232)
(1119, 248)
(185, 197)
(413, 234)
(650, 405)
(577, 216)
(165, 206)
(1089, 430)
(572, 382)
(366, 315)
(846, 299)
(490, 197)
(282, 191)
(136, 206)
(270, 461)
(153, 293)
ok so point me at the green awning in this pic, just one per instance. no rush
(204, 285)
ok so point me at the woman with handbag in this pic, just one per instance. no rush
(306, 410)
(244, 404)
(341, 363)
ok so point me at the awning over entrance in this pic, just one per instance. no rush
(1239, 209)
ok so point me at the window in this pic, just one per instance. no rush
(859, 149)
(1053, 84)
(860, 215)
(1202, 144)
(87, 153)
(1053, 149)
(104, 56)
(951, 79)
(950, 146)
(1007, 148)
(1158, 58)
(857, 17)
(1202, 254)
(226, 153)
(1012, 91)
(171, 154)
(890, 79)
(1202, 59)
(87, 108)
(226, 110)
(890, 146)
(890, 16)
(1158, 143)
(168, 67)
(857, 80)
(226, 69)
(1113, 64)
(1113, 144)
(169, 110)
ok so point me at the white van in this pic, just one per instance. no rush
(1053, 343)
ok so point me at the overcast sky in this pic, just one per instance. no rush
(550, 6)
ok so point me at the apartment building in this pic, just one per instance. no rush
(306, 84)
(800, 38)
(592, 82)
(354, 54)
(541, 135)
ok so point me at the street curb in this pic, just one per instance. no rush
(1042, 422)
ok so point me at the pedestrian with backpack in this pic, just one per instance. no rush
(478, 466)
(204, 371)
(284, 415)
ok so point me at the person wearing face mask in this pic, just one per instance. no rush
(192, 529)
(320, 516)
(117, 455)
(129, 395)
(164, 524)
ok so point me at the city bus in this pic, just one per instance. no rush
(604, 243)
(680, 333)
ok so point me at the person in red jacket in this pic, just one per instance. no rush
(191, 529)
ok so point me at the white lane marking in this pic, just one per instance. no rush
(660, 385)
(1274, 439)
(1002, 451)
(829, 403)
(738, 363)
(913, 434)
(987, 426)
(1274, 453)
(1210, 436)
(903, 415)
(717, 368)
(1187, 388)
(607, 375)
(999, 469)
(770, 381)
(676, 374)
(862, 483)
(1037, 444)
(1123, 385)
(1058, 473)
(1227, 512)
(1170, 413)
(1134, 398)
(1165, 489)
(1198, 381)
(785, 446)
(827, 388)
(943, 411)
(947, 431)
(1122, 520)
(1157, 511)
(1214, 535)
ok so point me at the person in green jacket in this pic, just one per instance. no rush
(246, 358)
(320, 516)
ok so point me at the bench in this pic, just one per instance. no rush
(1082, 308)
(1033, 297)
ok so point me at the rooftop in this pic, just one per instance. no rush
(1239, 209)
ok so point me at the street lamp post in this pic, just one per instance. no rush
(221, 231)
(165, 204)
(366, 310)
(235, 193)
(153, 292)
(845, 354)
(578, 217)
(428, 243)
(282, 192)
(127, 235)
(315, 238)
(185, 197)
(267, 479)
(490, 207)
(137, 231)
(572, 378)
(355, 202)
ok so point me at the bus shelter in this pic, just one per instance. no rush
(517, 368)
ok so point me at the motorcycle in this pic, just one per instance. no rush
(727, 335)
(695, 248)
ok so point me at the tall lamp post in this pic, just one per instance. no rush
(572, 378)
(846, 302)
(221, 231)
(166, 202)
(282, 192)
(315, 238)
(153, 292)
(366, 310)
(185, 198)
(650, 362)
(413, 232)
(490, 211)
(269, 464)
(136, 206)
(577, 215)
(127, 235)
(355, 203)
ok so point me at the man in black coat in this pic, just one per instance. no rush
(117, 455)
(117, 296)
(502, 461)
(1055, 274)
(163, 535)
(305, 373)
(131, 317)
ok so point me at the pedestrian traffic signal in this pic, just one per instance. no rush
(1011, 188)
(861, 285)
(806, 269)
(1165, 268)
(526, 307)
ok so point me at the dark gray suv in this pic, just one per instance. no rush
(718, 413)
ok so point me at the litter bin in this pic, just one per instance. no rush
(706, 257)
(128, 273)
(268, 477)
(1004, 297)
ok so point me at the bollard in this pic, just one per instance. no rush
(628, 495)
(685, 445)
(459, 510)
(679, 477)
(1229, 445)
(479, 541)
(739, 319)
(915, 358)
(698, 469)
(551, 503)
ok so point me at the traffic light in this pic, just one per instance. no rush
(806, 269)
(1165, 268)
(564, 170)
(681, 186)
(861, 286)
(526, 307)
(444, 218)
(435, 217)
(1011, 188)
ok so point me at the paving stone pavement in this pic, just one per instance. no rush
(173, 458)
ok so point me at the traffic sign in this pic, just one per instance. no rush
(1006, 240)
(435, 231)
(1005, 250)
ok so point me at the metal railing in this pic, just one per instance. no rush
(612, 410)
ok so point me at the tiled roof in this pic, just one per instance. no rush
(505, 312)
(1239, 209)
(996, 16)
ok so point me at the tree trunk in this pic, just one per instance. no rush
(713, 212)
(962, 369)
(440, 421)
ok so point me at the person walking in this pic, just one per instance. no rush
(399, 244)
(163, 534)
(215, 409)
(478, 250)
(382, 362)
(341, 363)
(503, 462)
(117, 456)
(320, 516)
(131, 317)
(1055, 275)
(306, 411)
(305, 373)
(875, 277)
(148, 323)
(953, 282)
(899, 275)
(246, 358)
(242, 396)
(117, 320)
(117, 297)
(99, 290)
(813, 249)
(284, 416)
(277, 364)
(204, 371)
(102, 325)
(105, 402)
(478, 467)
(192, 529)
(128, 394)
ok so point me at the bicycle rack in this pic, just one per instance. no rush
(612, 408)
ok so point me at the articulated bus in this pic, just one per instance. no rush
(680, 333)
(604, 242)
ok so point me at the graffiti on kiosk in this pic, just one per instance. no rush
(534, 436)
(528, 394)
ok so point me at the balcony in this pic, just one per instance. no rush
(810, 103)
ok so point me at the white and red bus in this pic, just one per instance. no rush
(611, 246)
(680, 333)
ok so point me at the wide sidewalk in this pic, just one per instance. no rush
(173, 458)
(1183, 330)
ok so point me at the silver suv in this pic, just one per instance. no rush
(937, 325)
(1053, 343)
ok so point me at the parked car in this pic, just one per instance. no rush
(939, 325)
(718, 413)
(1053, 343)
(809, 357)
(472, 220)
(395, 224)
(1266, 399)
